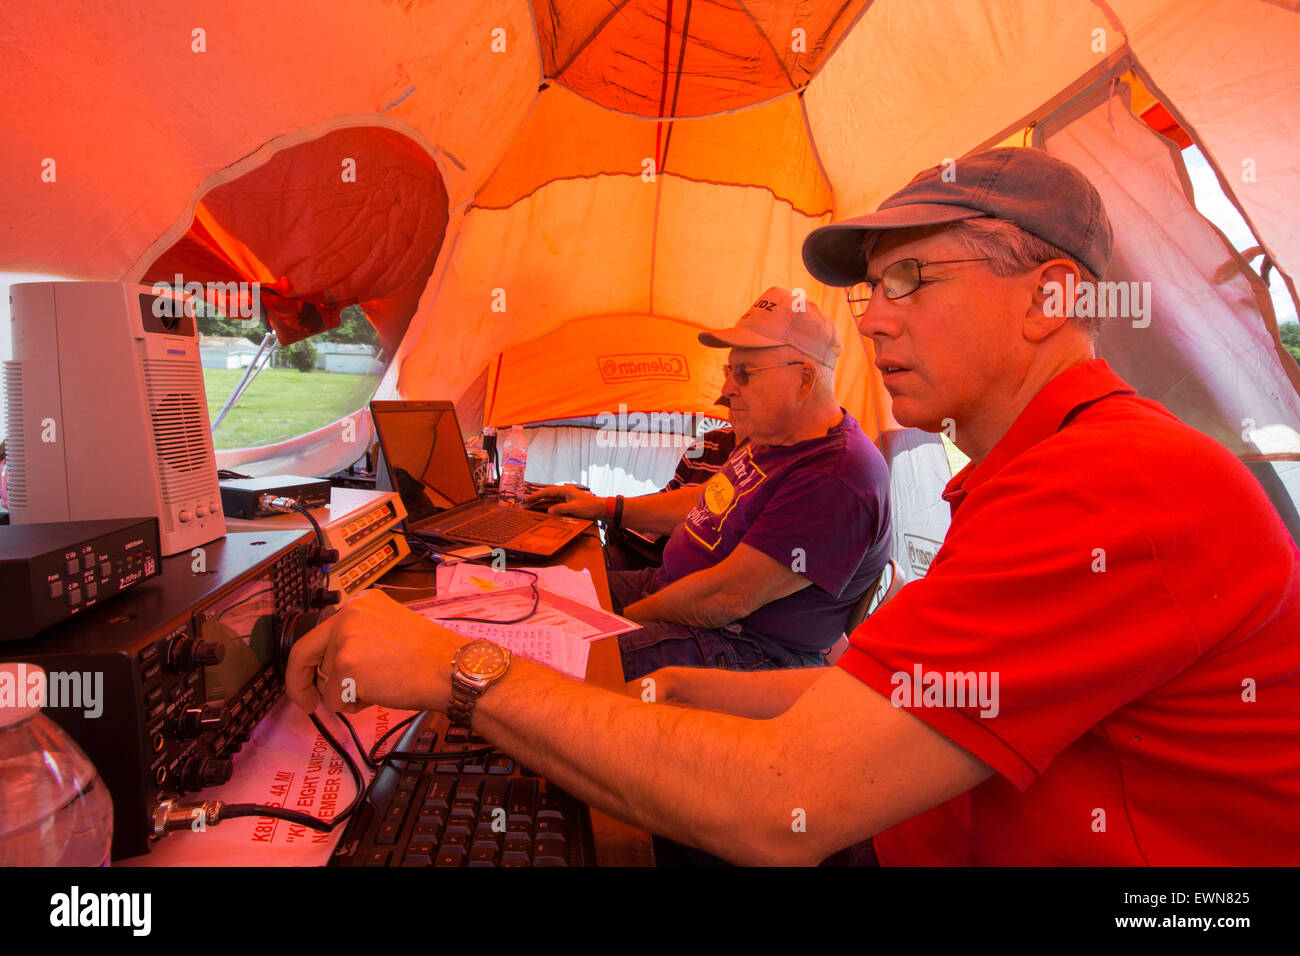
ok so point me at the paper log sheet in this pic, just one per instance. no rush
(558, 634)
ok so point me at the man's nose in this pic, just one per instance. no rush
(880, 320)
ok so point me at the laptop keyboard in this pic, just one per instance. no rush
(497, 526)
(468, 811)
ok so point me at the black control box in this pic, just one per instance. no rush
(49, 572)
(163, 687)
(239, 496)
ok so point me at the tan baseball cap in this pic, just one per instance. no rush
(778, 318)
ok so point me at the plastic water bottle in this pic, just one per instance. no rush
(514, 458)
(55, 809)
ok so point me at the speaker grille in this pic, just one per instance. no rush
(179, 416)
(15, 449)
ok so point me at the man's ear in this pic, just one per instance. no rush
(1052, 303)
(807, 379)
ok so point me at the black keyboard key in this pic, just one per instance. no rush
(550, 827)
(435, 815)
(469, 787)
(494, 791)
(460, 821)
(440, 791)
(501, 765)
(450, 856)
(387, 834)
(464, 803)
(431, 829)
(420, 854)
(518, 843)
(515, 859)
(485, 834)
(483, 854)
(522, 801)
(549, 851)
(377, 858)
(424, 743)
(457, 837)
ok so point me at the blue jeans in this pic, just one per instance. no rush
(665, 644)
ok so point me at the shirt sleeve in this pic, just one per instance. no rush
(1048, 596)
(816, 525)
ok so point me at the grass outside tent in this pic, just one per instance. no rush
(282, 403)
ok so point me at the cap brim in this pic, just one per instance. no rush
(833, 253)
(735, 338)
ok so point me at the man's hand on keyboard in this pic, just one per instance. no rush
(372, 651)
(567, 500)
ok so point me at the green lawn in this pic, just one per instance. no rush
(282, 403)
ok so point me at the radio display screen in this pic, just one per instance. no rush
(243, 622)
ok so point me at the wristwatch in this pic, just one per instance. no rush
(476, 667)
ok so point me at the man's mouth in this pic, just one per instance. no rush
(888, 368)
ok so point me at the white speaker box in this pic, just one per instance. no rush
(108, 415)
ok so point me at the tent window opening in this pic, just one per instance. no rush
(260, 392)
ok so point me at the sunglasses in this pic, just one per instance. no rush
(741, 373)
(899, 279)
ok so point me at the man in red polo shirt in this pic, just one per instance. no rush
(1091, 672)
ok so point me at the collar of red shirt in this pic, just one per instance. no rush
(1043, 417)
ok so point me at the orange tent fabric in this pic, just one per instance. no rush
(618, 167)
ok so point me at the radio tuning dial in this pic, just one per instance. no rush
(203, 772)
(191, 653)
(195, 720)
(322, 597)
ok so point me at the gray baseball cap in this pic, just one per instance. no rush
(778, 317)
(1042, 195)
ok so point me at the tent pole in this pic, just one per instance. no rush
(250, 372)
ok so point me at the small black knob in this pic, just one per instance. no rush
(202, 772)
(320, 598)
(195, 720)
(191, 653)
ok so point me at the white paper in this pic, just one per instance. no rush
(576, 584)
(558, 634)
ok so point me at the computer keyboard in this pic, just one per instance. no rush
(498, 526)
(484, 810)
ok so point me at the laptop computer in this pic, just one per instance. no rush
(422, 458)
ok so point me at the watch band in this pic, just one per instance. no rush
(618, 512)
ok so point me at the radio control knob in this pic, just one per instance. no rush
(195, 720)
(322, 597)
(191, 653)
(184, 515)
(203, 772)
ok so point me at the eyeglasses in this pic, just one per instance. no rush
(899, 279)
(741, 373)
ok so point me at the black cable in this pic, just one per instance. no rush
(537, 598)
(320, 537)
(231, 810)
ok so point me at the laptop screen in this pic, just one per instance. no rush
(425, 456)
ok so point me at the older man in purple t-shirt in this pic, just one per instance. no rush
(767, 559)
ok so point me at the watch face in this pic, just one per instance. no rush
(482, 659)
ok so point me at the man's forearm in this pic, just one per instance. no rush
(691, 600)
(661, 513)
(755, 694)
(698, 777)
